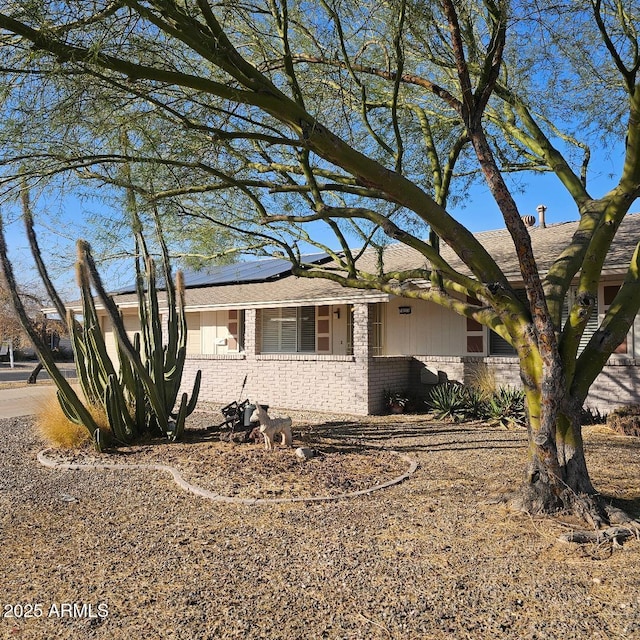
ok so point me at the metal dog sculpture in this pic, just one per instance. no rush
(270, 427)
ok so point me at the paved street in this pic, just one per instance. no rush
(23, 401)
(21, 371)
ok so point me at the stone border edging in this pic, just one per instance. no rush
(216, 497)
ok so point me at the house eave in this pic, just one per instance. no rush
(292, 302)
(265, 304)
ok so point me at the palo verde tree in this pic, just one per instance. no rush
(365, 120)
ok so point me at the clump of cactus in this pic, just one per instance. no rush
(141, 393)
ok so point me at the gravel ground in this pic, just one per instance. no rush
(128, 554)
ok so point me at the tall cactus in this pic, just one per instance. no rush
(152, 372)
(70, 403)
(96, 373)
(141, 393)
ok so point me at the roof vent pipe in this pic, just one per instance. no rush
(541, 209)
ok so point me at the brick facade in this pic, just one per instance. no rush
(290, 381)
(356, 383)
(617, 385)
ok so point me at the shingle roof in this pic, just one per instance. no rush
(547, 243)
(288, 290)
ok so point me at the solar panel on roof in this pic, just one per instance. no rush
(240, 272)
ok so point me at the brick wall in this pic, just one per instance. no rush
(356, 384)
(465, 368)
(315, 382)
(288, 381)
(388, 373)
(444, 368)
(505, 370)
(616, 386)
(222, 377)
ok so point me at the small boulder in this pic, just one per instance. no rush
(305, 453)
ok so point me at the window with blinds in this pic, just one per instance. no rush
(306, 329)
(289, 330)
(592, 323)
(500, 347)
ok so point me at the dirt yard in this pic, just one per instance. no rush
(123, 554)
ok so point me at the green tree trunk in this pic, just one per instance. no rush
(557, 477)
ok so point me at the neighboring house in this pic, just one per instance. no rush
(312, 344)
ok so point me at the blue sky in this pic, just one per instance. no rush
(482, 214)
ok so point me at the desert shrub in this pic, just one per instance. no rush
(482, 379)
(54, 426)
(475, 403)
(447, 401)
(397, 401)
(625, 420)
(592, 416)
(506, 407)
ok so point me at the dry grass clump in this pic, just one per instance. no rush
(598, 430)
(59, 431)
(483, 379)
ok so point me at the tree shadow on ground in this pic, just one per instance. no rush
(416, 436)
(146, 440)
(613, 442)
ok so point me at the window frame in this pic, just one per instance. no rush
(298, 329)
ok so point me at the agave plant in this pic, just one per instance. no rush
(447, 401)
(475, 403)
(506, 408)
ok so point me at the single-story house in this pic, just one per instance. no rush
(314, 344)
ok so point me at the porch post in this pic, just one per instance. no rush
(362, 356)
(250, 334)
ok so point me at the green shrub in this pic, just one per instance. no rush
(447, 401)
(397, 401)
(506, 408)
